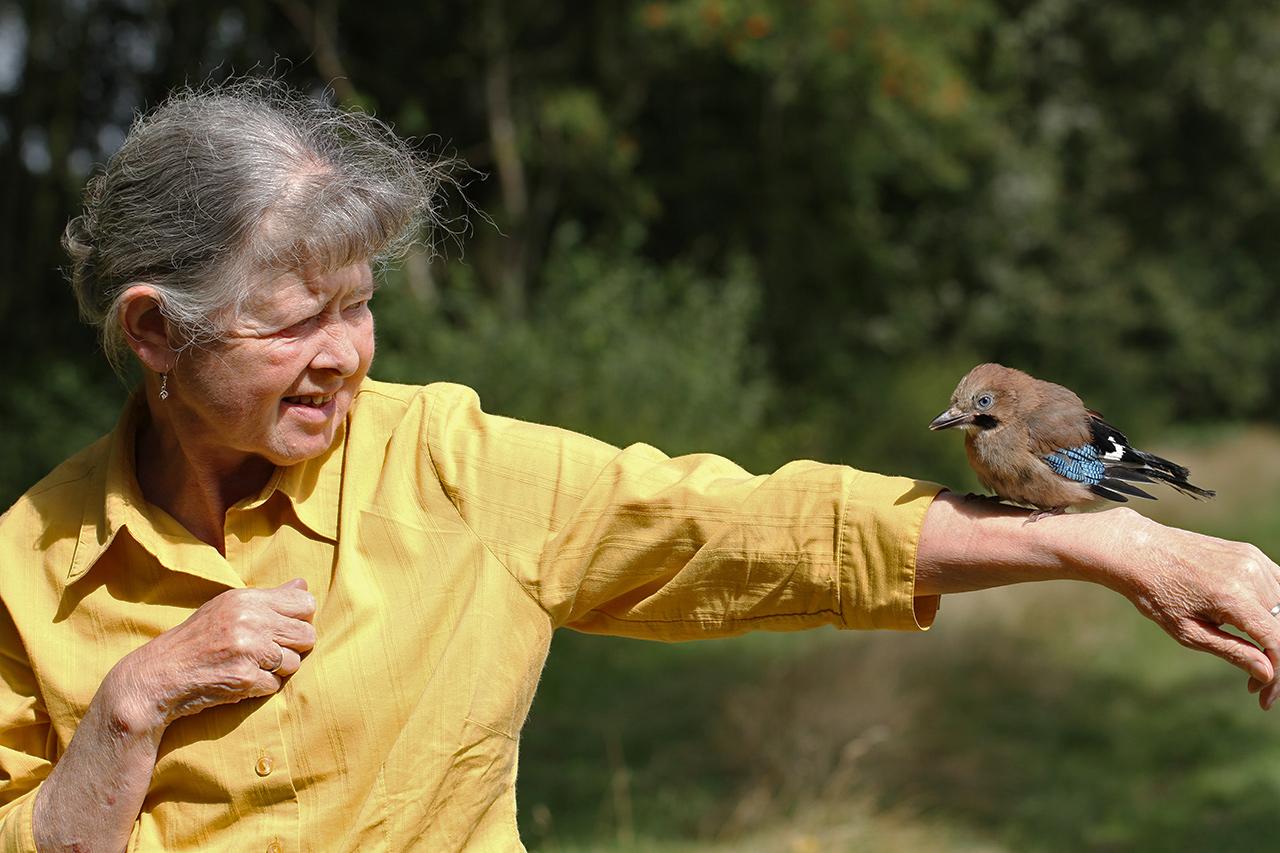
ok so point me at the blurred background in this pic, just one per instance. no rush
(777, 229)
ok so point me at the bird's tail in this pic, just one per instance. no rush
(1159, 468)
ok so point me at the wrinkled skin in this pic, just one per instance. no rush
(1190, 584)
(1187, 583)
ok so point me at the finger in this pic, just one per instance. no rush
(1267, 697)
(1267, 692)
(296, 583)
(260, 680)
(267, 655)
(265, 684)
(1232, 649)
(290, 661)
(1254, 684)
(292, 601)
(295, 634)
(1265, 629)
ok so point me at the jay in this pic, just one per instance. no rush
(1034, 443)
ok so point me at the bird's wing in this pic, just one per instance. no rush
(1085, 464)
(1123, 462)
(1114, 449)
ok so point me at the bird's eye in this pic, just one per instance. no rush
(985, 401)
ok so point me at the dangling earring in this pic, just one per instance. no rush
(164, 386)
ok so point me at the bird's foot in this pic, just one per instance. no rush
(1044, 513)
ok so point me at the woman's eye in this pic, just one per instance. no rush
(357, 306)
(299, 328)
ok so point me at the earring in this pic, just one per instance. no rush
(164, 386)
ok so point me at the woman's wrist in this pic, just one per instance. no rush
(130, 703)
(1097, 547)
(94, 793)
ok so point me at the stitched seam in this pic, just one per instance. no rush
(446, 492)
(490, 729)
(839, 557)
(709, 621)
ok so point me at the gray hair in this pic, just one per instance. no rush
(218, 184)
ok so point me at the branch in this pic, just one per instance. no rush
(318, 29)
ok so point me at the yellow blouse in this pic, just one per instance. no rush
(443, 546)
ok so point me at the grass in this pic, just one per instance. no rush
(1048, 717)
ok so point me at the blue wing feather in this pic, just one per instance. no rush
(1080, 464)
(1087, 464)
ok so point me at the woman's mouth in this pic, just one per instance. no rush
(315, 409)
(315, 402)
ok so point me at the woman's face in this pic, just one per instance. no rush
(283, 379)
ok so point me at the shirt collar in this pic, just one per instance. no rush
(112, 496)
(313, 488)
(114, 500)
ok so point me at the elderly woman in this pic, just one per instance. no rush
(282, 606)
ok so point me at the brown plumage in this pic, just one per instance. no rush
(1035, 443)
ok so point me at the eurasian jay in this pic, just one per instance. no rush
(1034, 443)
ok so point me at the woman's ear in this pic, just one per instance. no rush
(145, 328)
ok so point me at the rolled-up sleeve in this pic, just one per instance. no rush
(24, 742)
(635, 543)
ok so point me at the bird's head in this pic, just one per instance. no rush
(986, 395)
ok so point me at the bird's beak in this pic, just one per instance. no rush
(952, 417)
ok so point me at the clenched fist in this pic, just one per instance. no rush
(240, 644)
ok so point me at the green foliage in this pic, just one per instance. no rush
(53, 410)
(616, 347)
(1088, 193)
(1077, 193)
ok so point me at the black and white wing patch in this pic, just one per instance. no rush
(1124, 465)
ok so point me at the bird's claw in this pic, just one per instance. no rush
(1045, 513)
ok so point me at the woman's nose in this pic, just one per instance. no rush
(338, 351)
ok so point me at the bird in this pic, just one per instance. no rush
(1035, 443)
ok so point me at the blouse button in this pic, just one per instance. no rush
(263, 768)
(274, 847)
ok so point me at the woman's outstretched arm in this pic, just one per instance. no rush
(1187, 583)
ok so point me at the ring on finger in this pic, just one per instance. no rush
(276, 669)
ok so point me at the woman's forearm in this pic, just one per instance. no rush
(971, 543)
(94, 793)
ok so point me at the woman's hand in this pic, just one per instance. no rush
(1190, 585)
(241, 644)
